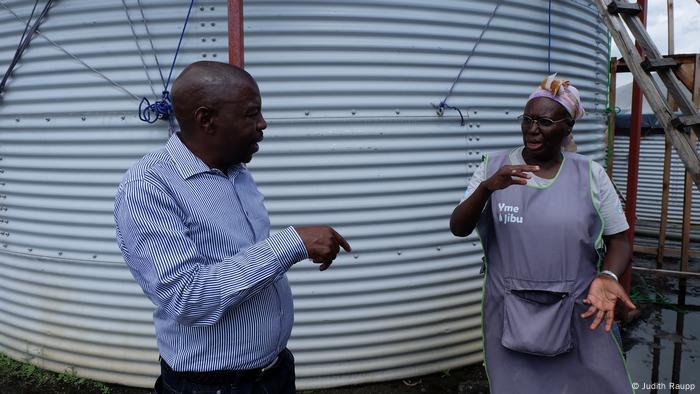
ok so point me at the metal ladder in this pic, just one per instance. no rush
(620, 13)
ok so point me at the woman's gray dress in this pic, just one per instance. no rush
(543, 248)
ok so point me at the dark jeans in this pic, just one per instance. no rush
(277, 380)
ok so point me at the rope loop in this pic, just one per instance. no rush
(441, 110)
(161, 109)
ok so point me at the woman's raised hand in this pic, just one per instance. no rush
(510, 175)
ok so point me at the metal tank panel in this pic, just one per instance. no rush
(353, 140)
(651, 170)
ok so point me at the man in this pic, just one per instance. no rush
(194, 232)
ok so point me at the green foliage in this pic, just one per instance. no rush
(39, 380)
(646, 294)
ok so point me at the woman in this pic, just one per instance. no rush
(543, 216)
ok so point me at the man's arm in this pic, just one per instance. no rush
(172, 273)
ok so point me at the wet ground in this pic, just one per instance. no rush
(663, 344)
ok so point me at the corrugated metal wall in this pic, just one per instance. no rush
(353, 141)
(651, 169)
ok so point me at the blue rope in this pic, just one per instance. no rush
(26, 25)
(443, 104)
(163, 108)
(27, 36)
(549, 38)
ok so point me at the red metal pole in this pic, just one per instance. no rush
(235, 33)
(633, 161)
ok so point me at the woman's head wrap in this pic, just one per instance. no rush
(563, 93)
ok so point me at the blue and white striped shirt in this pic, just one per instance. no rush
(198, 242)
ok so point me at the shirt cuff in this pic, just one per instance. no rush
(288, 247)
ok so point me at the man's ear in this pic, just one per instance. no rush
(203, 117)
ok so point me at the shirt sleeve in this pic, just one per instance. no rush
(474, 181)
(608, 202)
(171, 271)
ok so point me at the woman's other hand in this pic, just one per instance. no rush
(510, 175)
(602, 297)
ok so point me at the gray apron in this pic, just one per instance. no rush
(542, 252)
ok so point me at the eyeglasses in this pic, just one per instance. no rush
(527, 121)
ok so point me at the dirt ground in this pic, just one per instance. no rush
(466, 380)
(652, 332)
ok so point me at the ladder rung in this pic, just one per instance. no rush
(623, 7)
(650, 65)
(682, 121)
(610, 13)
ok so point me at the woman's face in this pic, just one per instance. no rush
(544, 142)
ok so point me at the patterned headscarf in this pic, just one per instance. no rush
(563, 93)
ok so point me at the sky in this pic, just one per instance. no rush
(686, 20)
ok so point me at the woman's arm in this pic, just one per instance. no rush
(466, 215)
(618, 253)
(605, 290)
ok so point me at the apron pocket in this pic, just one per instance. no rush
(537, 316)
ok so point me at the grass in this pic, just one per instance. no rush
(653, 293)
(23, 377)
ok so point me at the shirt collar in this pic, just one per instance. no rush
(186, 162)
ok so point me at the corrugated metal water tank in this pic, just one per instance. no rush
(649, 188)
(353, 140)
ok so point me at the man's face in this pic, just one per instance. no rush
(239, 124)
